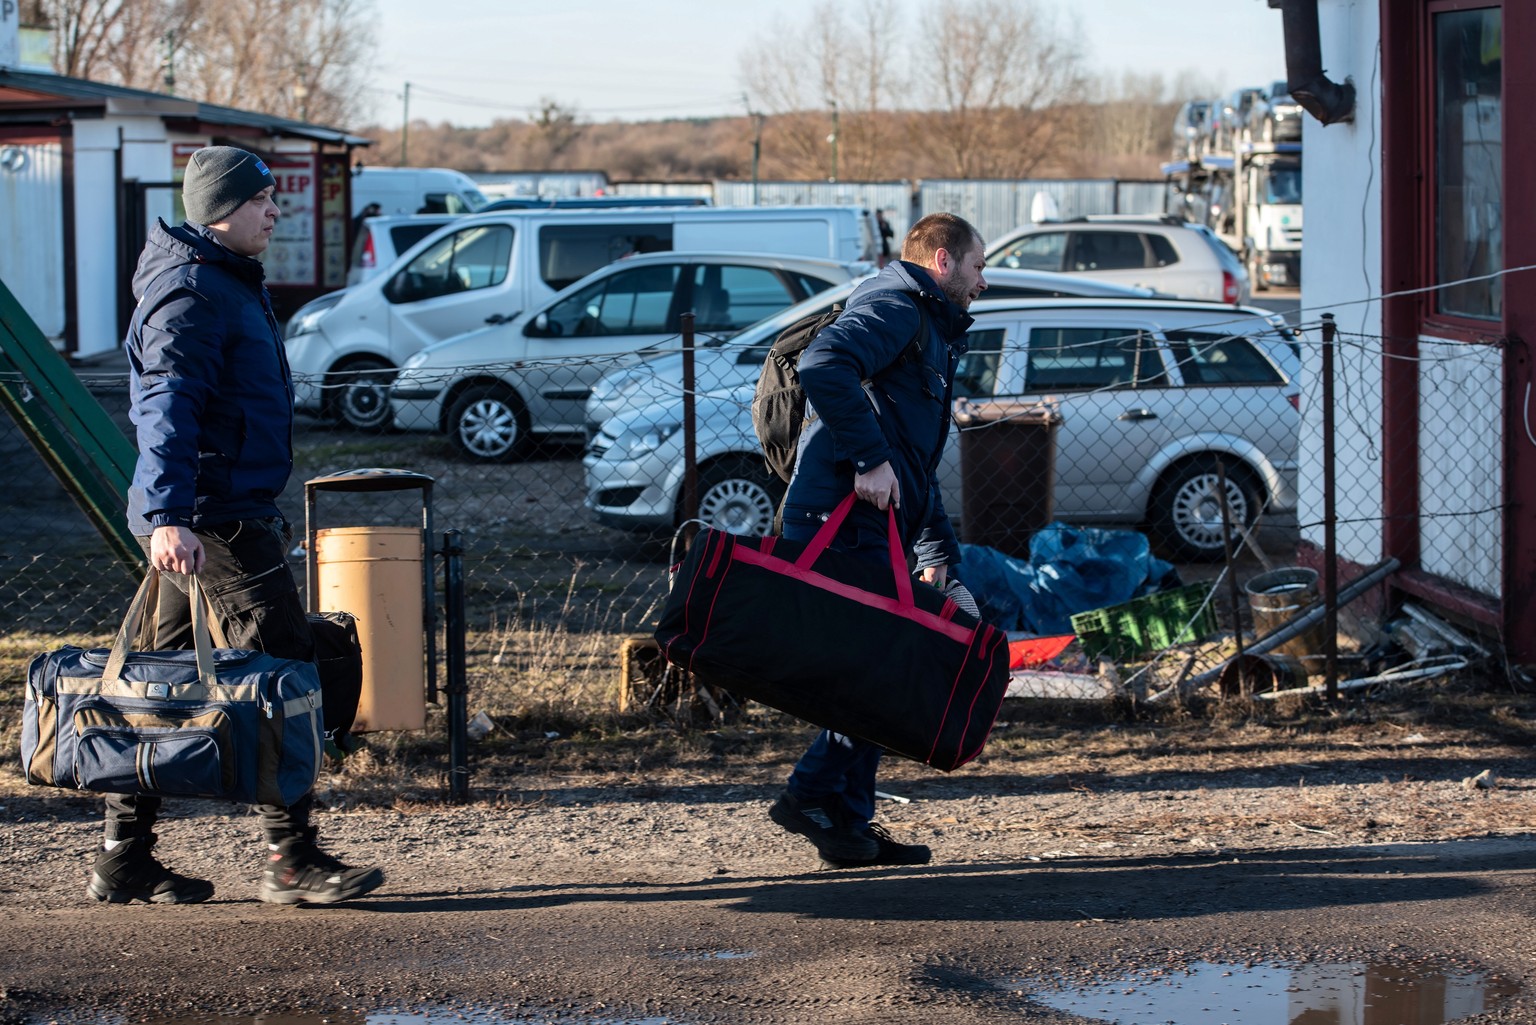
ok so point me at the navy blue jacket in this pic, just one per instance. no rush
(846, 436)
(212, 397)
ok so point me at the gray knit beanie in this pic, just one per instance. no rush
(218, 180)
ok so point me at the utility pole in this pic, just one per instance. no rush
(833, 140)
(757, 142)
(405, 125)
(168, 63)
(301, 90)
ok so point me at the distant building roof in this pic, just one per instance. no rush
(42, 90)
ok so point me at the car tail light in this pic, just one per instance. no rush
(1295, 398)
(370, 259)
(1228, 287)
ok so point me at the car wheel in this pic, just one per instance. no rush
(1186, 515)
(358, 393)
(739, 496)
(489, 424)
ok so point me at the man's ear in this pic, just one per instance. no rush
(942, 261)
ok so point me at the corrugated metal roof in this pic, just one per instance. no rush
(121, 99)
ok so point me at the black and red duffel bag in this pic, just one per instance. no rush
(838, 640)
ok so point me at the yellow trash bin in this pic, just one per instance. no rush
(375, 573)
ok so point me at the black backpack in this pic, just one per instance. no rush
(778, 405)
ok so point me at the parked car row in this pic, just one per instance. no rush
(489, 268)
(467, 334)
(1151, 393)
(1172, 256)
(493, 389)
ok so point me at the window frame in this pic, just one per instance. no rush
(1431, 319)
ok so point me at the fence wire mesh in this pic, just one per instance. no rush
(566, 476)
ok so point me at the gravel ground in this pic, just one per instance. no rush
(615, 879)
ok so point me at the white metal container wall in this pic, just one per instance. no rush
(704, 189)
(32, 210)
(540, 183)
(995, 207)
(893, 197)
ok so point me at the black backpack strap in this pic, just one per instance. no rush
(913, 353)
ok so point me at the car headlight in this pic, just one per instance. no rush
(414, 360)
(639, 440)
(613, 385)
(307, 320)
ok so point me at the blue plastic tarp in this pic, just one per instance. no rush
(1069, 570)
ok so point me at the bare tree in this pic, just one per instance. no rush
(993, 69)
(304, 64)
(293, 58)
(825, 85)
(558, 128)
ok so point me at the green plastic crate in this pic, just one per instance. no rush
(1146, 624)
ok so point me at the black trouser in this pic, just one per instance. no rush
(255, 606)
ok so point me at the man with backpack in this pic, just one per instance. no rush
(877, 416)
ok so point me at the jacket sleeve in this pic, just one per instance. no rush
(177, 361)
(937, 544)
(865, 340)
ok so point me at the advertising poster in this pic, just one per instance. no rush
(291, 258)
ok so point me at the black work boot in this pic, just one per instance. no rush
(892, 852)
(298, 872)
(129, 872)
(823, 824)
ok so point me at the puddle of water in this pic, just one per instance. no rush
(1329, 994)
(709, 955)
(444, 1017)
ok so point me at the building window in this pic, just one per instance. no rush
(1469, 160)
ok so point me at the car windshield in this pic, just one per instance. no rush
(771, 326)
(1282, 185)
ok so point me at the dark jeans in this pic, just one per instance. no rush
(837, 766)
(255, 606)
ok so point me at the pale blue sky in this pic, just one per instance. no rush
(471, 61)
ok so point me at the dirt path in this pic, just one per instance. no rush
(668, 895)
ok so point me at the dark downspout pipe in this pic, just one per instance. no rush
(1325, 100)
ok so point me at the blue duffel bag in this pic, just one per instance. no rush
(206, 722)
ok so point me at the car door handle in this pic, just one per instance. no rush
(502, 318)
(1137, 414)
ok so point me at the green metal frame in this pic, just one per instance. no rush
(70, 430)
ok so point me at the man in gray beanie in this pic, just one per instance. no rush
(212, 402)
(219, 180)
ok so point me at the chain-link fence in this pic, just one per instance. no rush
(567, 478)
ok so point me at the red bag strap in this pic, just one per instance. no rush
(829, 529)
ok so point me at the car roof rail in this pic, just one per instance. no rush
(1147, 218)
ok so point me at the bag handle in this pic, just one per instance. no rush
(202, 640)
(829, 529)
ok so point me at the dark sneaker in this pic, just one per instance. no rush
(129, 872)
(823, 826)
(298, 872)
(892, 852)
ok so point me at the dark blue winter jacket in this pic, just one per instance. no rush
(847, 435)
(212, 397)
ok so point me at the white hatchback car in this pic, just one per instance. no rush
(725, 363)
(1174, 257)
(381, 240)
(1150, 393)
(492, 389)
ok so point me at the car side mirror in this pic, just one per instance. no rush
(542, 327)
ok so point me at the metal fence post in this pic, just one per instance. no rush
(457, 688)
(690, 433)
(1330, 539)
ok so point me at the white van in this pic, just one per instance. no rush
(344, 347)
(415, 190)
